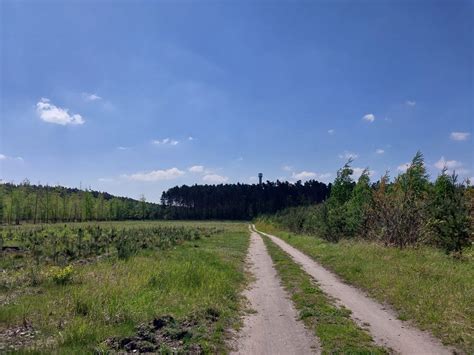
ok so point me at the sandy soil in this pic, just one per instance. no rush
(274, 328)
(381, 321)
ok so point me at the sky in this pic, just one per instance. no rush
(134, 97)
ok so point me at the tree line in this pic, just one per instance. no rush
(25, 202)
(409, 211)
(239, 201)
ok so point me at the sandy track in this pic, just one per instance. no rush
(384, 326)
(274, 328)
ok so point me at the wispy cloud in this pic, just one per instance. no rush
(309, 175)
(215, 179)
(123, 148)
(403, 167)
(196, 169)
(6, 157)
(57, 115)
(449, 164)
(357, 172)
(459, 136)
(165, 141)
(156, 175)
(379, 151)
(304, 175)
(190, 138)
(331, 131)
(370, 117)
(90, 97)
(287, 168)
(411, 103)
(348, 155)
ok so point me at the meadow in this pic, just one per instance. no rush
(123, 286)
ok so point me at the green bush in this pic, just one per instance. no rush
(61, 276)
(449, 220)
(406, 212)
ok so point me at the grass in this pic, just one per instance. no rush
(331, 323)
(424, 285)
(110, 297)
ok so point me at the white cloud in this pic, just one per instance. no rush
(370, 117)
(287, 168)
(166, 141)
(331, 131)
(348, 155)
(156, 175)
(403, 167)
(90, 97)
(6, 157)
(190, 138)
(123, 148)
(358, 172)
(450, 164)
(54, 114)
(309, 175)
(459, 136)
(304, 175)
(379, 151)
(196, 169)
(215, 179)
(410, 103)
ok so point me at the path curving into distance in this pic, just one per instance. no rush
(274, 328)
(384, 326)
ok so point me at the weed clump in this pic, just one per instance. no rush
(61, 276)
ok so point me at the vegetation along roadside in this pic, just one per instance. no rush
(423, 285)
(331, 323)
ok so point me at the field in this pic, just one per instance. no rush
(425, 286)
(147, 286)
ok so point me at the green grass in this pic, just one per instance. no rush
(424, 285)
(331, 323)
(110, 297)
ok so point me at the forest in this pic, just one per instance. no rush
(240, 201)
(51, 204)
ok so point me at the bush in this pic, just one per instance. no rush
(449, 220)
(407, 212)
(61, 276)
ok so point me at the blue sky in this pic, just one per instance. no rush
(134, 97)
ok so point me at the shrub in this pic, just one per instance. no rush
(336, 217)
(61, 276)
(449, 220)
(398, 215)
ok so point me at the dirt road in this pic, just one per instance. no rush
(384, 326)
(273, 328)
